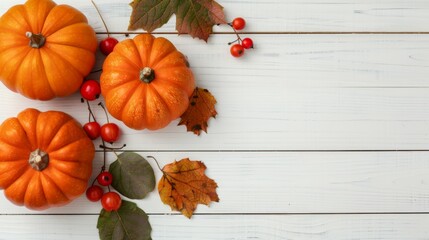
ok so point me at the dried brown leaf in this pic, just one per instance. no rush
(184, 185)
(201, 108)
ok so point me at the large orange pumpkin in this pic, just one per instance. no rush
(45, 49)
(45, 159)
(146, 82)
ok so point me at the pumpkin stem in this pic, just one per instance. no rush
(36, 40)
(38, 160)
(147, 75)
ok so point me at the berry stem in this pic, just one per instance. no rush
(95, 179)
(99, 14)
(113, 148)
(90, 112)
(105, 112)
(104, 156)
(236, 33)
(236, 40)
(98, 70)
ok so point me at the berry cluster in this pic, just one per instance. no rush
(109, 132)
(111, 201)
(91, 90)
(239, 45)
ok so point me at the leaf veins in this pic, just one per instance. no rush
(194, 17)
(184, 185)
(200, 110)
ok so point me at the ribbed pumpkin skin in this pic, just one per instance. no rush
(139, 104)
(70, 159)
(57, 68)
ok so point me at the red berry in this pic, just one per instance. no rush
(90, 90)
(107, 45)
(111, 201)
(94, 193)
(92, 129)
(238, 23)
(110, 132)
(105, 178)
(237, 50)
(247, 43)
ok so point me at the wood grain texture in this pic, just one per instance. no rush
(281, 15)
(292, 92)
(318, 227)
(273, 182)
(307, 92)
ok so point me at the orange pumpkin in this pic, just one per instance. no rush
(45, 49)
(146, 82)
(45, 159)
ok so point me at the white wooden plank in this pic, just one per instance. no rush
(275, 182)
(280, 15)
(297, 227)
(294, 92)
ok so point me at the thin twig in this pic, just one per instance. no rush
(99, 14)
(105, 112)
(90, 112)
(104, 155)
(236, 33)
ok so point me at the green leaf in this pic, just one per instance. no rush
(133, 176)
(128, 223)
(194, 17)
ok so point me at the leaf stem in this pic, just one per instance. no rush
(101, 17)
(156, 163)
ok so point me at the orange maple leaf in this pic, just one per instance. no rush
(200, 110)
(184, 185)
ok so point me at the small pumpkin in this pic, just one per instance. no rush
(45, 49)
(146, 82)
(45, 159)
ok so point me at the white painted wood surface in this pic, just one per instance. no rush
(237, 227)
(284, 15)
(298, 117)
(276, 182)
(345, 92)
